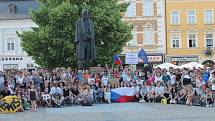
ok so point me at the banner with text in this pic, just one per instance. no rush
(131, 58)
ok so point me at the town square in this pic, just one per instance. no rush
(107, 60)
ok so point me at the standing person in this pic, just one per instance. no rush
(166, 78)
(186, 78)
(33, 97)
(206, 74)
(2, 79)
(105, 79)
(212, 80)
(37, 80)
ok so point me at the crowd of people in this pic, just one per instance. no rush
(66, 87)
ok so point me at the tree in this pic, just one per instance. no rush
(51, 43)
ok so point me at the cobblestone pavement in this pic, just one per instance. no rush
(117, 112)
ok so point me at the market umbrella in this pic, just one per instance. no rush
(10, 104)
(191, 65)
(167, 66)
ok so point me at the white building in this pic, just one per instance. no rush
(14, 17)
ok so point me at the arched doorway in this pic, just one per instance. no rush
(208, 63)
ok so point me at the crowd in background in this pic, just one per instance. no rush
(65, 87)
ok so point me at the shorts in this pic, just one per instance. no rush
(186, 81)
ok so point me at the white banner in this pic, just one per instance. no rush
(131, 58)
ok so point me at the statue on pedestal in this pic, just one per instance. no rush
(85, 41)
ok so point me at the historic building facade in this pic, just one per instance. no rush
(14, 17)
(148, 20)
(190, 30)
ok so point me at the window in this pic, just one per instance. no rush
(131, 10)
(208, 17)
(133, 41)
(11, 8)
(30, 65)
(10, 43)
(192, 40)
(175, 39)
(175, 17)
(148, 36)
(147, 8)
(209, 40)
(191, 17)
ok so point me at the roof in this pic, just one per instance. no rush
(22, 9)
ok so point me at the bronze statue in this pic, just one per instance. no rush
(85, 41)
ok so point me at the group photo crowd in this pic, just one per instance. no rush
(62, 87)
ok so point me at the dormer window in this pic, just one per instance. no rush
(12, 8)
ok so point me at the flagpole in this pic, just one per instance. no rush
(113, 69)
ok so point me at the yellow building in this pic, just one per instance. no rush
(190, 31)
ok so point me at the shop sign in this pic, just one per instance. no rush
(10, 66)
(186, 59)
(154, 58)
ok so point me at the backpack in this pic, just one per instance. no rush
(164, 101)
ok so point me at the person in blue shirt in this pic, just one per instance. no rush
(166, 78)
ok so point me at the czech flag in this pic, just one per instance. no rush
(117, 60)
(122, 94)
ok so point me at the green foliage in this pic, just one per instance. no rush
(51, 44)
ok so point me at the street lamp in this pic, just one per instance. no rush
(131, 46)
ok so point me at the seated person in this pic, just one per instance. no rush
(181, 96)
(75, 94)
(85, 96)
(166, 94)
(68, 98)
(209, 98)
(174, 98)
(136, 88)
(46, 98)
(107, 95)
(5, 92)
(158, 92)
(56, 95)
(144, 92)
(190, 95)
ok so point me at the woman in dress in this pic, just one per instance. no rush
(33, 97)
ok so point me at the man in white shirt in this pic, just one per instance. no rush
(158, 92)
(56, 95)
(136, 88)
(105, 79)
(19, 78)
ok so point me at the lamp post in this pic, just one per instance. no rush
(131, 46)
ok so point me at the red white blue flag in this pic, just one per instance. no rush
(117, 60)
(122, 94)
